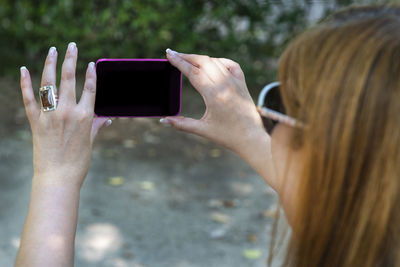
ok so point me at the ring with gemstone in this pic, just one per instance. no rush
(48, 98)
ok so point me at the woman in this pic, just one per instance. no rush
(333, 161)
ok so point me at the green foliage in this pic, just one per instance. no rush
(250, 32)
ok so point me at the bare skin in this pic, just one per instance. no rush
(231, 120)
(63, 140)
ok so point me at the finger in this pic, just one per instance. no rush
(233, 68)
(189, 70)
(49, 70)
(99, 123)
(89, 89)
(204, 63)
(31, 106)
(186, 124)
(198, 79)
(67, 85)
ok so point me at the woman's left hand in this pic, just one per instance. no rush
(62, 139)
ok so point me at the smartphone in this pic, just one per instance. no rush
(137, 88)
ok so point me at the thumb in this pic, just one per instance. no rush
(98, 123)
(185, 124)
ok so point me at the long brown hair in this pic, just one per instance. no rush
(342, 78)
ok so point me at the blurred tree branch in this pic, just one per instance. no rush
(252, 32)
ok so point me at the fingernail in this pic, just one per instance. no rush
(71, 46)
(23, 70)
(165, 122)
(108, 123)
(171, 52)
(52, 51)
(91, 65)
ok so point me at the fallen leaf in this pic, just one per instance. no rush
(252, 238)
(215, 153)
(116, 181)
(218, 233)
(243, 189)
(221, 218)
(229, 203)
(252, 254)
(269, 213)
(150, 138)
(147, 185)
(195, 153)
(129, 143)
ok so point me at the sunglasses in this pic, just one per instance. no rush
(272, 110)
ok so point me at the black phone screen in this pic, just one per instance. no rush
(138, 88)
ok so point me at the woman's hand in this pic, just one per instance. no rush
(62, 139)
(62, 142)
(231, 118)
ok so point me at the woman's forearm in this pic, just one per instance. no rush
(49, 232)
(62, 135)
(256, 151)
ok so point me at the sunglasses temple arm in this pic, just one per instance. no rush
(272, 114)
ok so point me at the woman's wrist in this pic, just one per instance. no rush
(51, 222)
(66, 182)
(252, 143)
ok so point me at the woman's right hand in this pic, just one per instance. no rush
(231, 118)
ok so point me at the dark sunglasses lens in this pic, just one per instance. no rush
(272, 101)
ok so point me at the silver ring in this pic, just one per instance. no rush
(48, 98)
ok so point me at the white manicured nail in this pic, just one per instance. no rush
(171, 52)
(71, 46)
(165, 122)
(91, 65)
(52, 51)
(23, 70)
(108, 123)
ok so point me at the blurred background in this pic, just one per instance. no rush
(153, 196)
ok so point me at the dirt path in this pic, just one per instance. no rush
(154, 197)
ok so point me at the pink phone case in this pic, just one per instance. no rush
(144, 59)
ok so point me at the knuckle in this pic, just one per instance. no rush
(68, 74)
(47, 81)
(193, 71)
(27, 102)
(236, 65)
(63, 116)
(90, 88)
(30, 106)
(29, 110)
(84, 115)
(70, 54)
(64, 112)
(49, 62)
